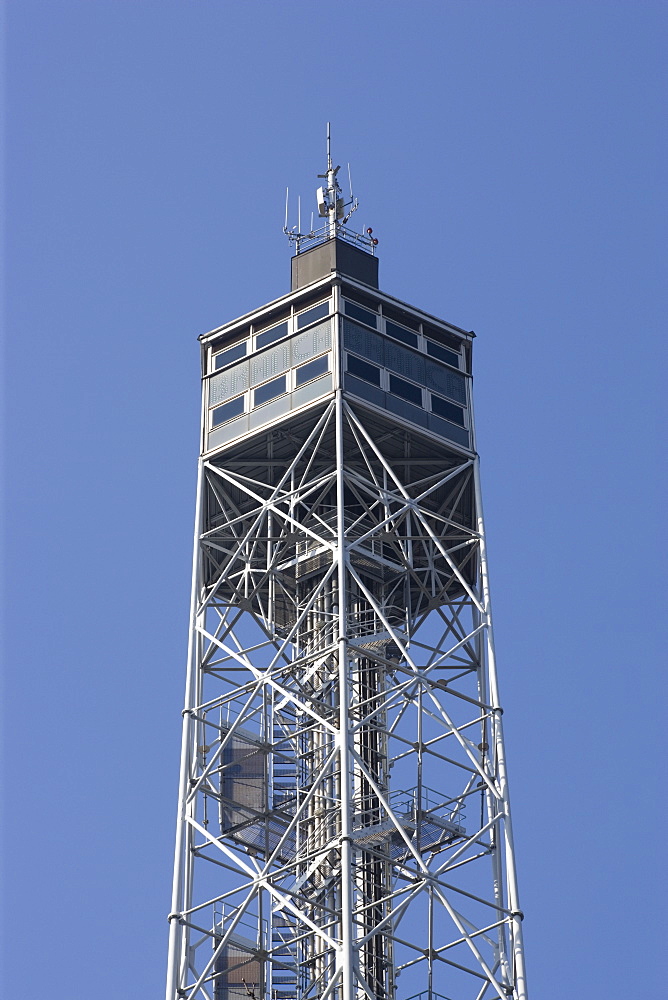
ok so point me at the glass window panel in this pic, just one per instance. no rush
(443, 354)
(311, 315)
(312, 370)
(230, 355)
(363, 370)
(413, 393)
(399, 333)
(228, 410)
(358, 312)
(269, 336)
(448, 410)
(269, 391)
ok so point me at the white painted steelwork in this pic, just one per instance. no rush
(344, 824)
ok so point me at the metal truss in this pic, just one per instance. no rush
(344, 827)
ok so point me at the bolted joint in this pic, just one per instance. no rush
(190, 712)
(517, 913)
(175, 916)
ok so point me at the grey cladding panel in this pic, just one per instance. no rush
(446, 382)
(228, 431)
(307, 393)
(364, 389)
(273, 361)
(334, 255)
(360, 341)
(270, 411)
(448, 430)
(406, 410)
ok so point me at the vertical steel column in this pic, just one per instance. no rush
(182, 878)
(519, 971)
(345, 758)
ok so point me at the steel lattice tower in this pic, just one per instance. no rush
(344, 826)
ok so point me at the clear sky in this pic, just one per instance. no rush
(511, 158)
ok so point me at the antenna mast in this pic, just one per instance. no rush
(333, 208)
(330, 199)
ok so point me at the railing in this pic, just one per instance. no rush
(248, 927)
(428, 995)
(304, 241)
(406, 803)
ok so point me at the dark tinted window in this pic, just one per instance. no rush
(448, 410)
(311, 315)
(406, 390)
(228, 410)
(363, 370)
(269, 336)
(269, 390)
(442, 353)
(230, 355)
(363, 315)
(312, 370)
(399, 333)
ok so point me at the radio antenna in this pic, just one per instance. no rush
(332, 207)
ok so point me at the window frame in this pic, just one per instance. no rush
(297, 316)
(270, 329)
(218, 406)
(311, 361)
(408, 382)
(448, 402)
(365, 361)
(230, 347)
(264, 385)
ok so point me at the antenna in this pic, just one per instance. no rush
(333, 209)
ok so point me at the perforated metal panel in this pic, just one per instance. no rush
(229, 383)
(368, 345)
(271, 362)
(313, 342)
(447, 382)
(404, 362)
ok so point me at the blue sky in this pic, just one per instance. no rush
(511, 158)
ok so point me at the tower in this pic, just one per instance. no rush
(344, 825)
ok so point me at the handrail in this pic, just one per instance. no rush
(304, 241)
